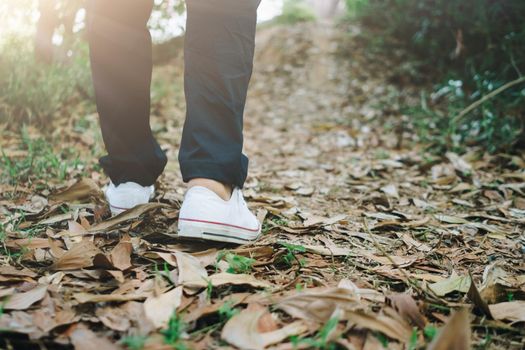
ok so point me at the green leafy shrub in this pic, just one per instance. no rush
(468, 49)
(32, 92)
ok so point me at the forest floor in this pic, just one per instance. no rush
(370, 240)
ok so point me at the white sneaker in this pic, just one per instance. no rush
(205, 215)
(127, 195)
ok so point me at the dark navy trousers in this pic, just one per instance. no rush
(218, 58)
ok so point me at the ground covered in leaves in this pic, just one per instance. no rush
(370, 240)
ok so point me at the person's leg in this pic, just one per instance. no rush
(220, 38)
(219, 48)
(121, 62)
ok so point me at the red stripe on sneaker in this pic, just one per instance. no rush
(219, 223)
(119, 208)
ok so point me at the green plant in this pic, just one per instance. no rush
(236, 263)
(412, 343)
(430, 332)
(291, 254)
(41, 161)
(209, 289)
(33, 92)
(322, 339)
(295, 11)
(174, 332)
(468, 50)
(273, 222)
(383, 339)
(227, 311)
(134, 342)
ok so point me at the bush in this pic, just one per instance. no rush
(32, 92)
(295, 11)
(470, 49)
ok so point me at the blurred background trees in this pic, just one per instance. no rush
(465, 50)
(457, 51)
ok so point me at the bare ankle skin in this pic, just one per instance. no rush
(222, 190)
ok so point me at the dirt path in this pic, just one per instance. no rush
(350, 200)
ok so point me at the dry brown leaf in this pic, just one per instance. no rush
(6, 291)
(319, 304)
(497, 284)
(22, 301)
(242, 330)
(224, 278)
(408, 309)
(474, 295)
(84, 339)
(313, 220)
(47, 319)
(56, 219)
(513, 311)
(27, 243)
(114, 318)
(82, 190)
(75, 229)
(125, 216)
(232, 300)
(158, 309)
(455, 335)
(329, 251)
(191, 273)
(451, 284)
(397, 260)
(120, 256)
(79, 256)
(18, 322)
(393, 328)
(83, 298)
(459, 163)
(8, 270)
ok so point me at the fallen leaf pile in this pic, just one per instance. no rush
(369, 241)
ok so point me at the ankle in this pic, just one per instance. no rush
(222, 190)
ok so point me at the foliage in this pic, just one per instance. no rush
(135, 342)
(322, 339)
(290, 255)
(33, 92)
(469, 48)
(295, 11)
(174, 332)
(227, 311)
(39, 162)
(237, 263)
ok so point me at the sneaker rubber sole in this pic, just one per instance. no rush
(218, 232)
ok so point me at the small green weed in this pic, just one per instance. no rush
(134, 342)
(412, 344)
(290, 256)
(320, 340)
(227, 311)
(382, 339)
(237, 263)
(430, 332)
(174, 332)
(41, 162)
